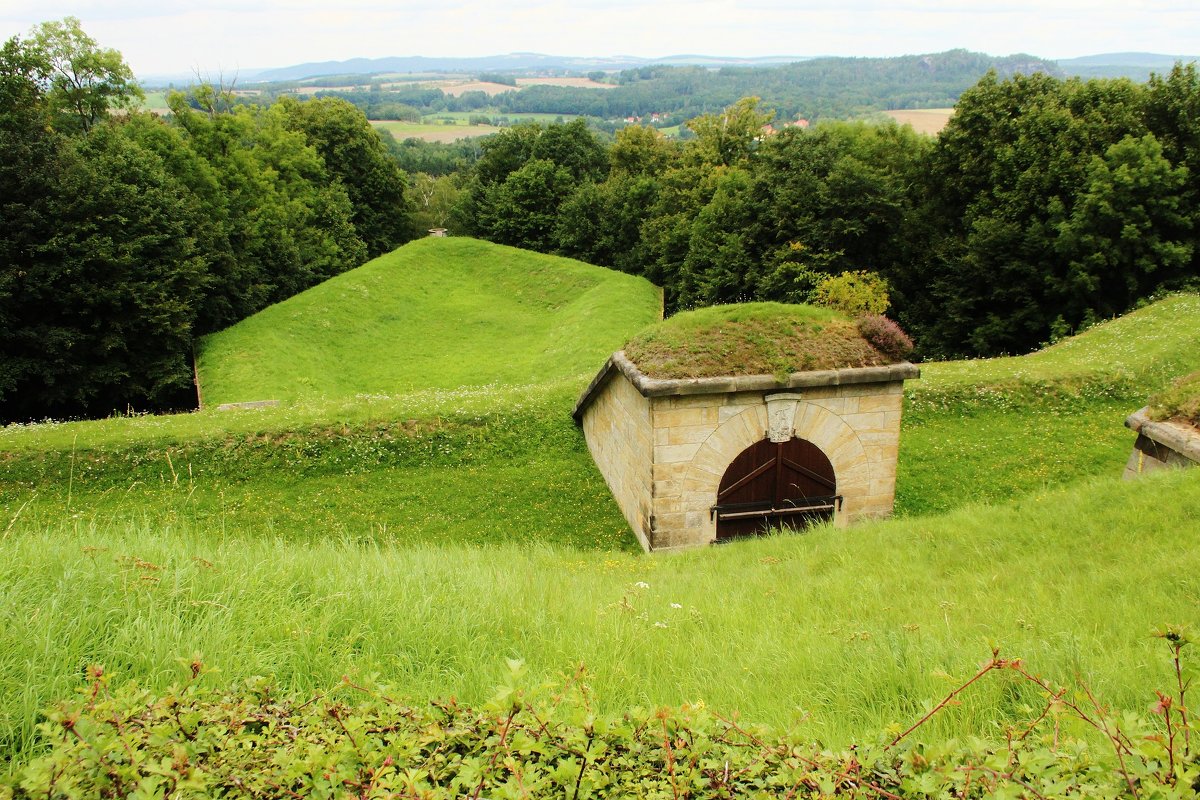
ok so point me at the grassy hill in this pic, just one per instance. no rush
(995, 429)
(1142, 350)
(427, 537)
(437, 313)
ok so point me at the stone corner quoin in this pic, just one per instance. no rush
(664, 446)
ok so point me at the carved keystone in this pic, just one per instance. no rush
(781, 413)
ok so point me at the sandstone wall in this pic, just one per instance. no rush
(619, 434)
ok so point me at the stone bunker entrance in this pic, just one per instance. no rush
(770, 484)
(699, 460)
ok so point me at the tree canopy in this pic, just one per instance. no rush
(125, 236)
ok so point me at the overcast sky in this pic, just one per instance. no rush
(173, 36)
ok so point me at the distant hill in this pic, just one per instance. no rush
(1136, 66)
(510, 63)
(670, 94)
(434, 314)
(836, 88)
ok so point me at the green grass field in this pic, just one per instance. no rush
(850, 631)
(427, 531)
(156, 101)
(448, 126)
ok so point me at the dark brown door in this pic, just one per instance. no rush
(769, 485)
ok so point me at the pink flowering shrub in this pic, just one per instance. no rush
(885, 336)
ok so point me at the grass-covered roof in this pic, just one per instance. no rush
(1179, 402)
(751, 339)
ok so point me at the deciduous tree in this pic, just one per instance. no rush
(85, 80)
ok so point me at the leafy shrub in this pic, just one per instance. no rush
(885, 336)
(549, 742)
(854, 293)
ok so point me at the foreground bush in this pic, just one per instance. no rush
(198, 742)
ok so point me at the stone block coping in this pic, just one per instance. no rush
(1183, 439)
(660, 387)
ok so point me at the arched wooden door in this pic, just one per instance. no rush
(770, 485)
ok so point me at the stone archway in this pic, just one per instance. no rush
(812, 421)
(775, 484)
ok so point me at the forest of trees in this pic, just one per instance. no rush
(820, 88)
(1045, 204)
(125, 236)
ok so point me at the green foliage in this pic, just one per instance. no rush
(435, 199)
(523, 180)
(355, 155)
(85, 81)
(718, 266)
(496, 77)
(639, 150)
(523, 210)
(548, 741)
(819, 88)
(855, 293)
(28, 185)
(126, 235)
(1050, 203)
(727, 139)
(1125, 236)
(288, 225)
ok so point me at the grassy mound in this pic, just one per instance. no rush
(1180, 401)
(750, 339)
(1127, 358)
(437, 313)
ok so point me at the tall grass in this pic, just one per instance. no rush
(839, 631)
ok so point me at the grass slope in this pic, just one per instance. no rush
(1138, 353)
(437, 313)
(468, 476)
(989, 430)
(848, 630)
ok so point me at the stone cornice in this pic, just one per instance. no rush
(1183, 439)
(660, 387)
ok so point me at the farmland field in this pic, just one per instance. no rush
(425, 534)
(431, 132)
(923, 120)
